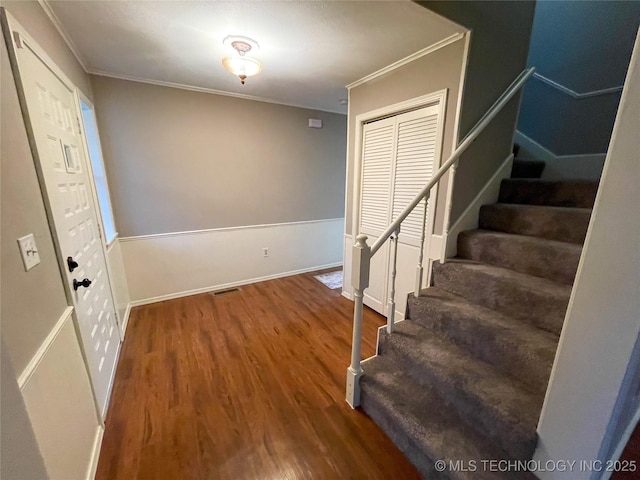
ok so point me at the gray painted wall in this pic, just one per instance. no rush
(32, 301)
(584, 46)
(500, 33)
(21, 458)
(179, 160)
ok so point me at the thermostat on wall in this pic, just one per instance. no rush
(315, 123)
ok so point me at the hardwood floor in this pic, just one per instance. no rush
(244, 385)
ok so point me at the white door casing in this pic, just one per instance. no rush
(62, 167)
(80, 99)
(399, 156)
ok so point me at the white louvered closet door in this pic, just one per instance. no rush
(416, 144)
(399, 157)
(378, 151)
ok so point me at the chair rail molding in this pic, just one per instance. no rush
(177, 264)
(44, 347)
(573, 93)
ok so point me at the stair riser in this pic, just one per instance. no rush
(527, 169)
(559, 194)
(397, 435)
(554, 261)
(470, 409)
(552, 224)
(500, 294)
(508, 354)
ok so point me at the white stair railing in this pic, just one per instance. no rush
(362, 252)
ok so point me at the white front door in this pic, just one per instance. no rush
(52, 109)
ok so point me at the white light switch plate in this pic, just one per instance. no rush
(29, 251)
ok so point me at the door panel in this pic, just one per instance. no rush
(375, 211)
(52, 109)
(376, 295)
(414, 164)
(377, 153)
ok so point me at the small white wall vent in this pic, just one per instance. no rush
(315, 123)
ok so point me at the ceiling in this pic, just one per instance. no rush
(310, 49)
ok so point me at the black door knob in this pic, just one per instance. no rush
(84, 283)
(72, 264)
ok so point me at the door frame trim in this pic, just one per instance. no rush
(438, 98)
(81, 97)
(434, 98)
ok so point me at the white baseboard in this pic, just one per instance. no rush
(436, 246)
(225, 286)
(125, 319)
(95, 454)
(559, 167)
(469, 218)
(166, 266)
(347, 295)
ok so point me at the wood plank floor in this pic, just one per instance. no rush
(245, 385)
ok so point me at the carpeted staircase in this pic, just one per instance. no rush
(463, 379)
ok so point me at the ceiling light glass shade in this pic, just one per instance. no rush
(242, 66)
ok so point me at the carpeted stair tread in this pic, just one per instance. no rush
(423, 425)
(574, 193)
(518, 349)
(486, 399)
(553, 223)
(527, 168)
(557, 261)
(536, 300)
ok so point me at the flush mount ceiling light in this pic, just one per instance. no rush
(240, 64)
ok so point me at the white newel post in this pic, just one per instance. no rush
(447, 211)
(420, 269)
(360, 280)
(391, 317)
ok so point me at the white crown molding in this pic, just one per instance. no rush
(574, 94)
(56, 23)
(193, 88)
(414, 56)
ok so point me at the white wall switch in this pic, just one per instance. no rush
(315, 123)
(29, 251)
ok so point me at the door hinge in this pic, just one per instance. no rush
(79, 126)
